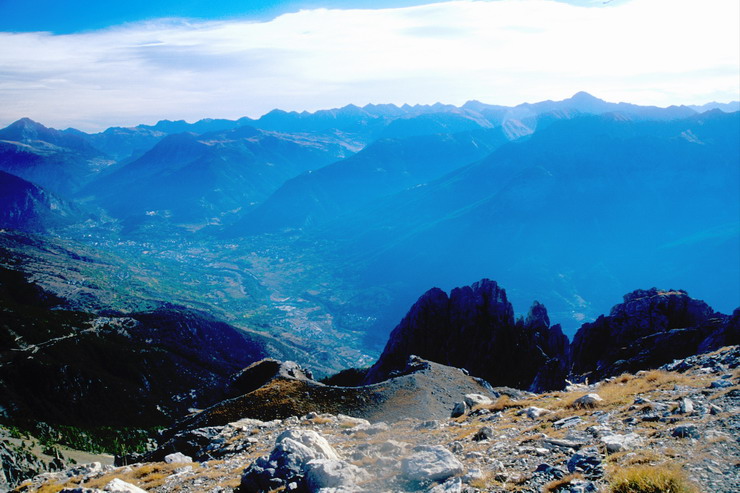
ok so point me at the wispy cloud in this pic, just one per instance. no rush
(508, 51)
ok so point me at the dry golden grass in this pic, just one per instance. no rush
(636, 457)
(556, 484)
(485, 481)
(651, 479)
(147, 476)
(321, 420)
(49, 488)
(504, 402)
(232, 482)
(623, 389)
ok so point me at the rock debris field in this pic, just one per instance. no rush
(681, 421)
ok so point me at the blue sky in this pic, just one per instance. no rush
(91, 65)
(70, 16)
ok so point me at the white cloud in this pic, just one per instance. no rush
(505, 52)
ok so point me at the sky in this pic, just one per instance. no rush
(92, 64)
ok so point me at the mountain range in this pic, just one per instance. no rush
(152, 262)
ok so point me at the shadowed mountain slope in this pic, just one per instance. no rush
(61, 162)
(28, 207)
(197, 178)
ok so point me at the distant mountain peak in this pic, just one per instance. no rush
(25, 128)
(584, 96)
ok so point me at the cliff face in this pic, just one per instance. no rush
(474, 328)
(651, 327)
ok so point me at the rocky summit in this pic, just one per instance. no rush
(675, 427)
(474, 328)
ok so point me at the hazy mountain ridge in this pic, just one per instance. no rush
(58, 161)
(382, 168)
(197, 178)
(607, 190)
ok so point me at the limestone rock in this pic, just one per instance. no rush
(685, 406)
(294, 449)
(473, 400)
(117, 485)
(618, 443)
(588, 400)
(534, 412)
(431, 463)
(485, 433)
(330, 473)
(178, 458)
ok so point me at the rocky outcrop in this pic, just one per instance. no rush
(422, 389)
(17, 464)
(650, 328)
(302, 460)
(474, 328)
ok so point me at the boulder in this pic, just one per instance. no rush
(430, 463)
(330, 473)
(588, 463)
(686, 431)
(178, 458)
(685, 406)
(373, 429)
(534, 412)
(293, 450)
(351, 422)
(485, 433)
(460, 409)
(118, 485)
(588, 400)
(618, 443)
(473, 400)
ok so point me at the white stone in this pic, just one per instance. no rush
(618, 443)
(685, 406)
(588, 400)
(117, 485)
(431, 463)
(177, 458)
(328, 473)
(351, 422)
(317, 446)
(534, 412)
(473, 400)
(372, 429)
